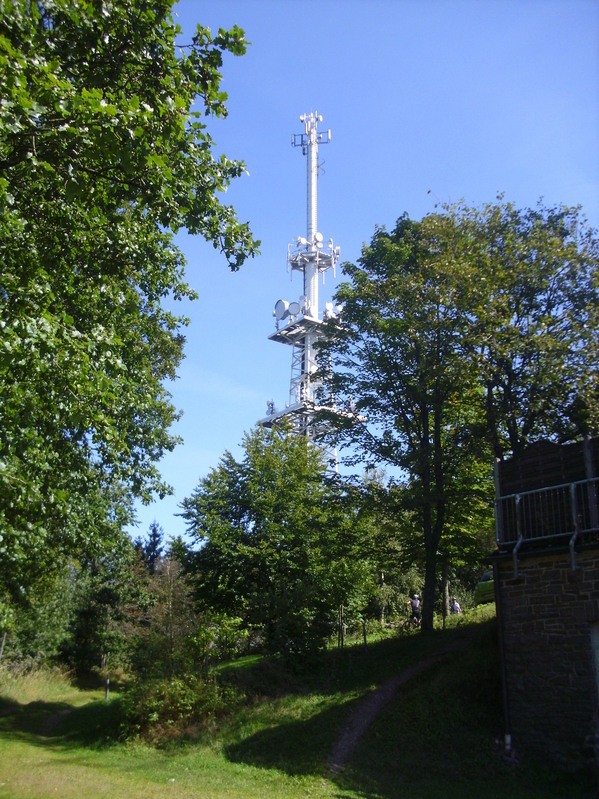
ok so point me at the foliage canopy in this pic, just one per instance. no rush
(466, 335)
(282, 547)
(103, 156)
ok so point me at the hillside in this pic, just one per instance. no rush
(432, 732)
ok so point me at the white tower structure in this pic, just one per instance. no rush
(298, 322)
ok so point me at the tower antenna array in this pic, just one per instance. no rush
(298, 323)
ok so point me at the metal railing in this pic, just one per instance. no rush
(568, 510)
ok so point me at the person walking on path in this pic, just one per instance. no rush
(414, 604)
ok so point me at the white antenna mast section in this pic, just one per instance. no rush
(309, 141)
(308, 255)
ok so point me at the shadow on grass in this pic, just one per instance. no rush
(303, 748)
(59, 723)
(298, 748)
(385, 768)
(337, 670)
(435, 737)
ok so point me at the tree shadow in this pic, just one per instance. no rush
(298, 748)
(352, 668)
(302, 749)
(93, 725)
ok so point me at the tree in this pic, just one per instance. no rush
(171, 637)
(535, 319)
(151, 549)
(463, 335)
(42, 628)
(387, 531)
(280, 547)
(129, 617)
(102, 159)
(399, 365)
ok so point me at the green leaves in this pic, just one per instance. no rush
(280, 544)
(534, 320)
(102, 159)
(469, 334)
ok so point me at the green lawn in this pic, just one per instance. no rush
(436, 738)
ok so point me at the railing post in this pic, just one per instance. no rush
(520, 535)
(574, 506)
(498, 504)
(589, 470)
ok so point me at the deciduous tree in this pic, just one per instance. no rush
(280, 547)
(534, 300)
(103, 156)
(468, 334)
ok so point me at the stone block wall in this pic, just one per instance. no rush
(549, 619)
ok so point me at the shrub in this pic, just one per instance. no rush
(160, 708)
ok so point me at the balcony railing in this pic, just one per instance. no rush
(570, 510)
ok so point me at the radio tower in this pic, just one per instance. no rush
(298, 323)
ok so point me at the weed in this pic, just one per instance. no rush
(30, 682)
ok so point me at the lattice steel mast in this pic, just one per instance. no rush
(298, 322)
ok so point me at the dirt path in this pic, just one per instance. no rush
(51, 723)
(373, 703)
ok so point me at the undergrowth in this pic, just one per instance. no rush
(28, 682)
(266, 729)
(163, 710)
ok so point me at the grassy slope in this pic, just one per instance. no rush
(437, 736)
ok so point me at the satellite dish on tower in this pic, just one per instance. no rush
(281, 310)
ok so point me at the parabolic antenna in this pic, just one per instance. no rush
(281, 310)
(294, 308)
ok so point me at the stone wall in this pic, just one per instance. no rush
(547, 616)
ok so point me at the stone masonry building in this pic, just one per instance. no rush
(546, 572)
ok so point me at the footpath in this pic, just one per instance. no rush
(369, 707)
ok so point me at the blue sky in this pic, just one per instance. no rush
(427, 101)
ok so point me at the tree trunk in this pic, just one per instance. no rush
(428, 597)
(445, 589)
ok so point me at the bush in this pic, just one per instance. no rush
(164, 708)
(230, 638)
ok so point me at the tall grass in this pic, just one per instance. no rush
(38, 683)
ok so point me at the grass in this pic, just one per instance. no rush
(435, 738)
